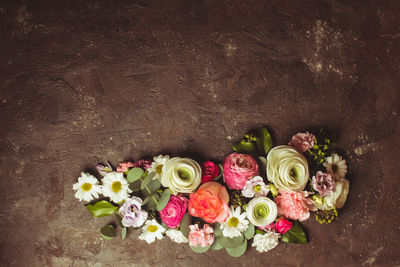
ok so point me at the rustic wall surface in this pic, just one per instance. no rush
(84, 82)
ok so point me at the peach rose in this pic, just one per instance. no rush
(210, 202)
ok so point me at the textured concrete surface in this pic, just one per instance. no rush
(83, 82)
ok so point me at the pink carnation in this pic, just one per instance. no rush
(283, 225)
(124, 166)
(294, 205)
(238, 169)
(173, 213)
(143, 163)
(302, 141)
(203, 237)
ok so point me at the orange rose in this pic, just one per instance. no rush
(210, 202)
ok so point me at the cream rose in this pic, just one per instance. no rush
(287, 168)
(181, 175)
(261, 211)
(338, 197)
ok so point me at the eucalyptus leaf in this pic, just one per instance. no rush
(151, 203)
(135, 186)
(154, 185)
(163, 200)
(185, 223)
(123, 233)
(217, 229)
(108, 232)
(199, 249)
(217, 244)
(295, 234)
(134, 174)
(238, 251)
(264, 140)
(147, 180)
(234, 242)
(101, 208)
(249, 233)
(246, 147)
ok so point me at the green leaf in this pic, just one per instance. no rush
(123, 233)
(154, 185)
(217, 229)
(246, 147)
(119, 220)
(217, 244)
(108, 232)
(185, 223)
(249, 233)
(264, 140)
(238, 251)
(199, 249)
(234, 242)
(147, 180)
(164, 200)
(134, 174)
(135, 186)
(295, 235)
(151, 204)
(101, 208)
(262, 164)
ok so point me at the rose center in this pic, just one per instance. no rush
(152, 228)
(159, 169)
(233, 222)
(334, 168)
(116, 186)
(293, 173)
(184, 174)
(261, 211)
(257, 188)
(86, 187)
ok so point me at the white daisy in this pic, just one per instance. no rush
(87, 188)
(266, 242)
(115, 186)
(152, 230)
(158, 164)
(176, 236)
(336, 166)
(235, 224)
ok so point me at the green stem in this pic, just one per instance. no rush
(148, 190)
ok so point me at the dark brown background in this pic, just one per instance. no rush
(83, 82)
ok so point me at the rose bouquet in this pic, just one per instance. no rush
(259, 193)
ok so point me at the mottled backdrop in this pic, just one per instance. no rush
(86, 81)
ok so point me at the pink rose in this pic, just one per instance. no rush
(143, 163)
(209, 170)
(283, 225)
(124, 166)
(173, 213)
(294, 205)
(302, 141)
(203, 237)
(238, 169)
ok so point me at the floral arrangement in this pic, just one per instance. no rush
(259, 193)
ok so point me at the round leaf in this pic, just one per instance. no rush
(249, 233)
(147, 180)
(108, 232)
(152, 202)
(238, 251)
(234, 242)
(217, 229)
(153, 186)
(217, 244)
(199, 249)
(163, 200)
(134, 174)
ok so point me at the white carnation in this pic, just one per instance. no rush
(266, 242)
(176, 236)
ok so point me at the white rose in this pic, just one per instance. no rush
(339, 196)
(261, 211)
(176, 236)
(287, 168)
(181, 175)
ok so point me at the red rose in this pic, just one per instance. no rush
(210, 170)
